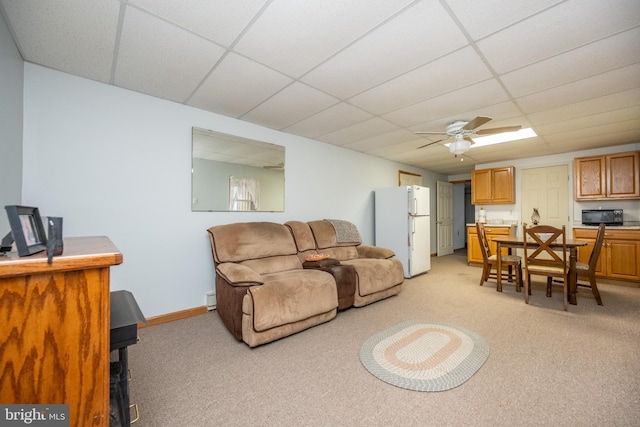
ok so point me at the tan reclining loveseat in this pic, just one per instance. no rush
(379, 274)
(264, 293)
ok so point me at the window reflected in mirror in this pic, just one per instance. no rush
(230, 173)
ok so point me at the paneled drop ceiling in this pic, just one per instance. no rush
(364, 74)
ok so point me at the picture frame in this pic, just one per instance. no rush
(27, 229)
(409, 178)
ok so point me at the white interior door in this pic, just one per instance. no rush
(546, 189)
(444, 218)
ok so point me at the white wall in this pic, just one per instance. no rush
(118, 163)
(11, 85)
(631, 207)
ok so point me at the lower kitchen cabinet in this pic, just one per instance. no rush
(474, 255)
(620, 254)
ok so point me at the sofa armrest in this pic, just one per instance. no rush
(238, 275)
(366, 251)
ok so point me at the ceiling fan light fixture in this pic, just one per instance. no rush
(459, 146)
(498, 138)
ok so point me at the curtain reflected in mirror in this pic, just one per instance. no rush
(230, 173)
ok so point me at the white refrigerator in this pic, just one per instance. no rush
(403, 225)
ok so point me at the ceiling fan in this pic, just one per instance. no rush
(462, 131)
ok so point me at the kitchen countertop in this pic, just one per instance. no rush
(633, 226)
(487, 224)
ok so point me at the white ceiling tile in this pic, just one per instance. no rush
(358, 131)
(556, 30)
(294, 103)
(592, 121)
(402, 144)
(381, 141)
(480, 20)
(237, 85)
(458, 69)
(599, 130)
(613, 102)
(479, 95)
(531, 147)
(591, 138)
(502, 114)
(295, 36)
(389, 51)
(610, 82)
(73, 36)
(400, 63)
(219, 20)
(605, 55)
(148, 43)
(337, 117)
(586, 142)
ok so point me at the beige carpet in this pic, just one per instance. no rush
(547, 366)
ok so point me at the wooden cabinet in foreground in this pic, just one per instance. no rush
(613, 176)
(493, 186)
(54, 333)
(619, 256)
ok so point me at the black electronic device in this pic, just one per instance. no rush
(609, 217)
(7, 241)
(55, 244)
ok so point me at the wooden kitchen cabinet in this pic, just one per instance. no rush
(54, 331)
(613, 176)
(619, 256)
(474, 254)
(493, 186)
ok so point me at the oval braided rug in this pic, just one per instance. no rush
(424, 355)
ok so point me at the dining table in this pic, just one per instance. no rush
(518, 242)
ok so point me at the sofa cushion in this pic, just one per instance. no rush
(237, 274)
(302, 235)
(291, 296)
(246, 240)
(367, 251)
(342, 253)
(273, 264)
(375, 275)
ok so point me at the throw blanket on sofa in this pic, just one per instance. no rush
(346, 232)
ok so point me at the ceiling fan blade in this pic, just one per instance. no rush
(431, 143)
(430, 133)
(477, 122)
(498, 130)
(471, 141)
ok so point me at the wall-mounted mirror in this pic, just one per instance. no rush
(230, 173)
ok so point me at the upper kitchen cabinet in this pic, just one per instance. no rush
(613, 176)
(493, 186)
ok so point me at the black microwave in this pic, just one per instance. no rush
(600, 216)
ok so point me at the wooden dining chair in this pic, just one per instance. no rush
(490, 262)
(541, 259)
(588, 270)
